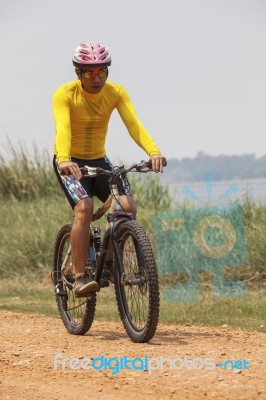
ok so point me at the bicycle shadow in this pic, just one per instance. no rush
(180, 336)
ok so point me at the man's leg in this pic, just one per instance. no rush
(80, 244)
(80, 234)
(128, 204)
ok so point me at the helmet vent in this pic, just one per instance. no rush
(91, 53)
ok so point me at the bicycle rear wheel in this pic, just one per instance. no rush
(77, 314)
(136, 283)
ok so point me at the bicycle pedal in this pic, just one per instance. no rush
(104, 283)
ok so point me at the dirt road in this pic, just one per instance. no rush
(33, 349)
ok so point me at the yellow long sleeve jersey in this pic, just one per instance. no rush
(81, 121)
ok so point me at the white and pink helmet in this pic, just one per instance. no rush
(91, 53)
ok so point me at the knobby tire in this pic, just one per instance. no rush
(77, 314)
(138, 300)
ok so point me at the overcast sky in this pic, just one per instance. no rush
(195, 70)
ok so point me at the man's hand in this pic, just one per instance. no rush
(70, 168)
(158, 162)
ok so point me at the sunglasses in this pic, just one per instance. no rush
(91, 74)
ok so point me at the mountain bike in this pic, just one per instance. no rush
(135, 272)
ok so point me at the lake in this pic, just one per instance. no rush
(220, 192)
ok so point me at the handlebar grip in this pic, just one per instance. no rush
(149, 163)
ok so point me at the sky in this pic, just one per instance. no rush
(195, 71)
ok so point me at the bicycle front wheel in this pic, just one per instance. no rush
(136, 283)
(77, 314)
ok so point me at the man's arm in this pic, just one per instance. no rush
(138, 133)
(61, 112)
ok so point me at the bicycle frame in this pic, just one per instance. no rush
(113, 218)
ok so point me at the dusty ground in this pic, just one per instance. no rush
(29, 344)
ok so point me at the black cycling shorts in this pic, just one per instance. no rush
(87, 187)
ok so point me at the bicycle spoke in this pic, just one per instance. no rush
(76, 313)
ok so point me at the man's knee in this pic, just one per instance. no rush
(83, 210)
(128, 204)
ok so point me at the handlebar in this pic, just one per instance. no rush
(143, 166)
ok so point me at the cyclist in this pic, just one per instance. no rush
(82, 110)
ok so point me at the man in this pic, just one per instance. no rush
(82, 110)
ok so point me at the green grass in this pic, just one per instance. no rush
(247, 313)
(27, 235)
(31, 296)
(27, 296)
(33, 208)
(28, 230)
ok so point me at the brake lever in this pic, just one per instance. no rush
(144, 166)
